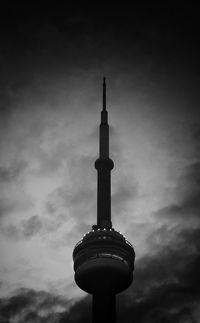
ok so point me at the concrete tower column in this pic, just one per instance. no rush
(103, 258)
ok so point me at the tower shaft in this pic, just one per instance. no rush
(104, 199)
(104, 165)
(104, 308)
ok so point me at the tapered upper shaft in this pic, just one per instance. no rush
(104, 128)
(104, 165)
(104, 93)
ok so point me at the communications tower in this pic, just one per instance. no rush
(103, 258)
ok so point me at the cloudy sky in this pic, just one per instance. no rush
(52, 62)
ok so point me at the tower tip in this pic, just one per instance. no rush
(104, 93)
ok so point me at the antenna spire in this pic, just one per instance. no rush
(104, 113)
(104, 93)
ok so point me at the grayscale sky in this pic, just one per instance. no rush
(52, 62)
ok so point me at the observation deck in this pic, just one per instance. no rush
(103, 260)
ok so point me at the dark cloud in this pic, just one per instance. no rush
(187, 189)
(166, 285)
(8, 174)
(11, 231)
(80, 312)
(15, 305)
(25, 229)
(168, 288)
(190, 186)
(31, 226)
(31, 306)
(195, 130)
(36, 225)
(187, 193)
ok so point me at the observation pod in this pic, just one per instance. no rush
(103, 258)
(103, 262)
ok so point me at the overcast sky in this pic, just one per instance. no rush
(52, 62)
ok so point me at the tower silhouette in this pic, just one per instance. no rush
(103, 258)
